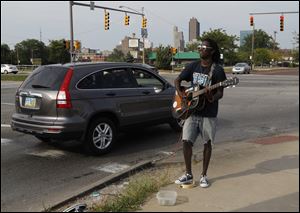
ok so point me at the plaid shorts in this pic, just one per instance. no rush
(195, 126)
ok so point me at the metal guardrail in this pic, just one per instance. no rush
(27, 68)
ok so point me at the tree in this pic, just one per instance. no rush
(276, 55)
(32, 48)
(129, 58)
(296, 40)
(225, 42)
(147, 53)
(116, 56)
(163, 57)
(57, 52)
(5, 54)
(296, 46)
(243, 56)
(261, 40)
(192, 47)
(262, 56)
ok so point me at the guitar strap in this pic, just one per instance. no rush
(211, 73)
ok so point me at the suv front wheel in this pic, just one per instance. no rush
(101, 136)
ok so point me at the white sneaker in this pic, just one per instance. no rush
(184, 179)
(204, 182)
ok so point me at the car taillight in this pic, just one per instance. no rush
(63, 99)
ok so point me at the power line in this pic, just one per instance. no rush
(167, 21)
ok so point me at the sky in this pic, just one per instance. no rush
(50, 20)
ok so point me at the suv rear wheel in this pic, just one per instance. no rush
(101, 136)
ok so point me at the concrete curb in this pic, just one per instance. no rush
(101, 184)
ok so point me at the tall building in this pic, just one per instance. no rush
(243, 35)
(194, 29)
(178, 39)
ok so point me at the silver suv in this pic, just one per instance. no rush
(91, 102)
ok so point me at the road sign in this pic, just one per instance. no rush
(144, 32)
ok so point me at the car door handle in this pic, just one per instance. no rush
(110, 94)
(146, 92)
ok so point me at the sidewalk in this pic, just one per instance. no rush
(259, 175)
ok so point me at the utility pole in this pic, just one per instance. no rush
(71, 31)
(274, 40)
(143, 40)
(18, 56)
(252, 48)
(40, 34)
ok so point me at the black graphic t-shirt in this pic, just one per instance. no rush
(199, 76)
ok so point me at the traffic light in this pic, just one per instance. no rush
(66, 44)
(144, 23)
(174, 50)
(127, 20)
(106, 21)
(281, 23)
(77, 45)
(251, 20)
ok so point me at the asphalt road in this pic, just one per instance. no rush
(35, 175)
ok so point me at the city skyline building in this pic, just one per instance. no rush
(178, 39)
(194, 29)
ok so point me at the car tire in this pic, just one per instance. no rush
(43, 139)
(101, 136)
(5, 72)
(176, 124)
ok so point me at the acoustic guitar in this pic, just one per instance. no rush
(183, 107)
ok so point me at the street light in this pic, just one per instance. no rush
(143, 35)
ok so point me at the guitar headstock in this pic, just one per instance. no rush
(230, 82)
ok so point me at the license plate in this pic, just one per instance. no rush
(30, 102)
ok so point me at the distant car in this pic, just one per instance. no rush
(241, 68)
(8, 68)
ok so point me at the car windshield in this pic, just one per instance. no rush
(240, 65)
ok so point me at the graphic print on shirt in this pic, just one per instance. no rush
(201, 79)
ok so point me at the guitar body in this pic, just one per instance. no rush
(184, 107)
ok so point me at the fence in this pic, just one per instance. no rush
(27, 68)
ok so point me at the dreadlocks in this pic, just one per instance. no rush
(214, 45)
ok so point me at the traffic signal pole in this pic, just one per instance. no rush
(252, 48)
(71, 31)
(143, 40)
(252, 24)
(91, 5)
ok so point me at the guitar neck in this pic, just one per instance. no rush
(202, 91)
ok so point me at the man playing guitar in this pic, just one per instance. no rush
(203, 119)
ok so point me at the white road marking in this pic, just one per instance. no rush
(5, 125)
(111, 168)
(10, 104)
(48, 153)
(5, 141)
(167, 153)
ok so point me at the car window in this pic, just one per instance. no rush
(45, 77)
(114, 78)
(93, 81)
(146, 79)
